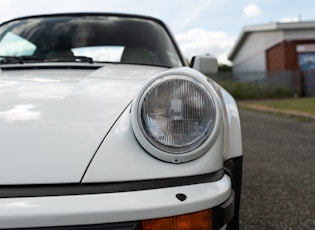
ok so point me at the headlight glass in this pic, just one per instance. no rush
(176, 114)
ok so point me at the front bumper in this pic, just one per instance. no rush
(120, 207)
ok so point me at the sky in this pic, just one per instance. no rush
(199, 26)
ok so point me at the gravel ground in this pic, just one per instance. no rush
(278, 190)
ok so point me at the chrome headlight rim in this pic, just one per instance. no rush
(150, 147)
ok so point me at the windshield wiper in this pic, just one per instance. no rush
(34, 59)
(19, 59)
(84, 59)
(71, 59)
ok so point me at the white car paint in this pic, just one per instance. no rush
(68, 116)
(121, 148)
(67, 126)
(113, 207)
(67, 113)
(58, 119)
(121, 158)
(232, 125)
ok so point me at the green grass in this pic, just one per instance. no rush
(276, 99)
(304, 105)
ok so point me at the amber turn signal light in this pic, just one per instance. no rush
(193, 221)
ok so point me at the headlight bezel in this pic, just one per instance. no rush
(147, 144)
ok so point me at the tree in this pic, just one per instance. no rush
(224, 68)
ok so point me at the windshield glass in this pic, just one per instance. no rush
(101, 38)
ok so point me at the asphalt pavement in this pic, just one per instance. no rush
(278, 189)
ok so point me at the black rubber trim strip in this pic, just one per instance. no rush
(223, 214)
(32, 67)
(12, 191)
(116, 226)
(234, 167)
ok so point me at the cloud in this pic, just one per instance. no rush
(192, 14)
(290, 19)
(8, 9)
(20, 113)
(111, 54)
(251, 11)
(4, 10)
(199, 41)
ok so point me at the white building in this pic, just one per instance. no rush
(274, 47)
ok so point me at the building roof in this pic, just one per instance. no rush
(267, 28)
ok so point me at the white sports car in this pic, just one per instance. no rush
(103, 125)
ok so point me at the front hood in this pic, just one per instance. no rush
(53, 121)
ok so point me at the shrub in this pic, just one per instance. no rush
(248, 90)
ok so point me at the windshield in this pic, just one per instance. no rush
(97, 37)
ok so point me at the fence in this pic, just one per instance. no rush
(297, 82)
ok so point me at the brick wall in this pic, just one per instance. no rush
(283, 56)
(276, 58)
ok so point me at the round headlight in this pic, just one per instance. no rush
(176, 114)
